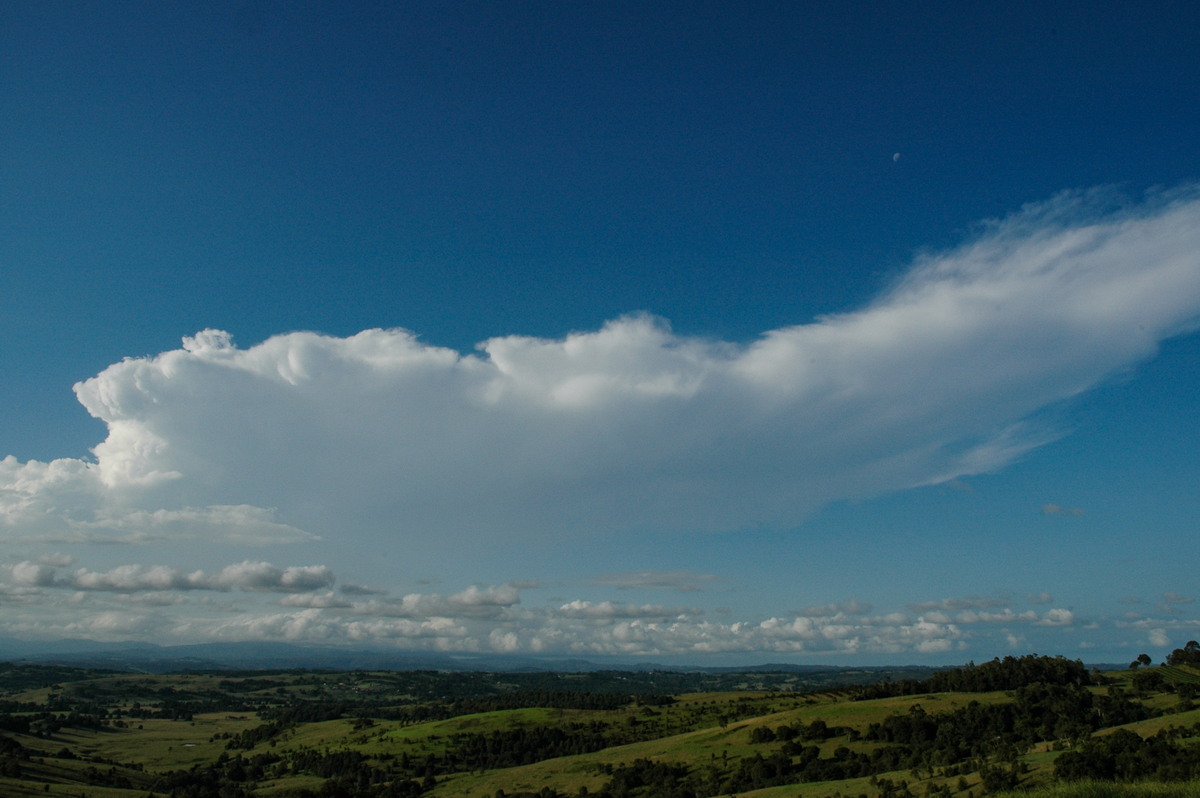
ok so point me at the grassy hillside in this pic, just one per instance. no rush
(296, 734)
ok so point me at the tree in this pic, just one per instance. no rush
(1148, 681)
(1188, 655)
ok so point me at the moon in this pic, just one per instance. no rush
(895, 157)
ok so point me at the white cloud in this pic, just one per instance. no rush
(32, 574)
(379, 441)
(474, 602)
(1004, 616)
(171, 605)
(607, 610)
(629, 426)
(1057, 617)
(321, 601)
(247, 575)
(264, 576)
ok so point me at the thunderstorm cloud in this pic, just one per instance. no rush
(380, 439)
(628, 426)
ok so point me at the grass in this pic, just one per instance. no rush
(159, 745)
(714, 743)
(1108, 789)
(697, 729)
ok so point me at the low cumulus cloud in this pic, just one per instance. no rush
(630, 426)
(246, 575)
(299, 604)
(607, 610)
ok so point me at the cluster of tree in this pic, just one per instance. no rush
(43, 723)
(347, 774)
(19, 677)
(1038, 712)
(647, 777)
(1125, 756)
(999, 674)
(982, 737)
(523, 746)
(817, 731)
(252, 685)
(249, 738)
(1188, 655)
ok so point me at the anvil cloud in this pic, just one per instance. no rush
(629, 426)
(378, 445)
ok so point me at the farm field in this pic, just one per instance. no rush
(1015, 724)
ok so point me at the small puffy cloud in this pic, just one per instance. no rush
(32, 574)
(321, 601)
(307, 625)
(247, 575)
(939, 646)
(475, 596)
(151, 599)
(1057, 617)
(1040, 598)
(263, 576)
(474, 602)
(1004, 616)
(131, 578)
(1176, 598)
(444, 630)
(1158, 637)
(607, 610)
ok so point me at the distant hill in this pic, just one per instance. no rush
(148, 657)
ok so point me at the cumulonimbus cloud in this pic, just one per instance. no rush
(628, 426)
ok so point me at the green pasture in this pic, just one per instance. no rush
(712, 744)
(1104, 789)
(697, 729)
(159, 745)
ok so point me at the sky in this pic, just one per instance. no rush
(692, 333)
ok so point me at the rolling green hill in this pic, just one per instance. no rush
(1020, 723)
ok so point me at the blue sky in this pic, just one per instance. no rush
(703, 332)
